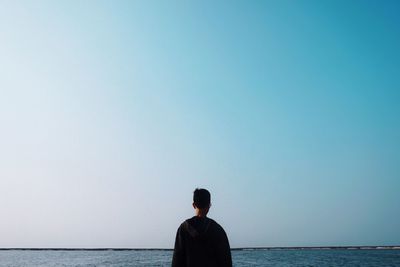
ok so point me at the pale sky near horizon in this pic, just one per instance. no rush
(113, 112)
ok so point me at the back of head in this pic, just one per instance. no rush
(201, 198)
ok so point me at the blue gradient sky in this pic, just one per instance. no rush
(112, 112)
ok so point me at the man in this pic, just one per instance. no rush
(200, 241)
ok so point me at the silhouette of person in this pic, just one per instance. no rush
(200, 241)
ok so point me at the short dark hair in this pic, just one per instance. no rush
(201, 198)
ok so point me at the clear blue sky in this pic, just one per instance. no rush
(112, 112)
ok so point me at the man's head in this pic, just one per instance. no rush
(201, 201)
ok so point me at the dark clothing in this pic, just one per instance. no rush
(201, 242)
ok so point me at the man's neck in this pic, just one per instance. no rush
(201, 213)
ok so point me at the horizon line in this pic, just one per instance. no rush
(365, 247)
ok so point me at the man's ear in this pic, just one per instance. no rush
(194, 206)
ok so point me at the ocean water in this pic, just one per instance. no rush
(284, 258)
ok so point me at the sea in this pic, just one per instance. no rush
(247, 257)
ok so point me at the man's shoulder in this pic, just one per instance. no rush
(186, 222)
(213, 222)
(216, 225)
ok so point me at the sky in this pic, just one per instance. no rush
(113, 112)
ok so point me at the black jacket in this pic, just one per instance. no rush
(201, 242)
